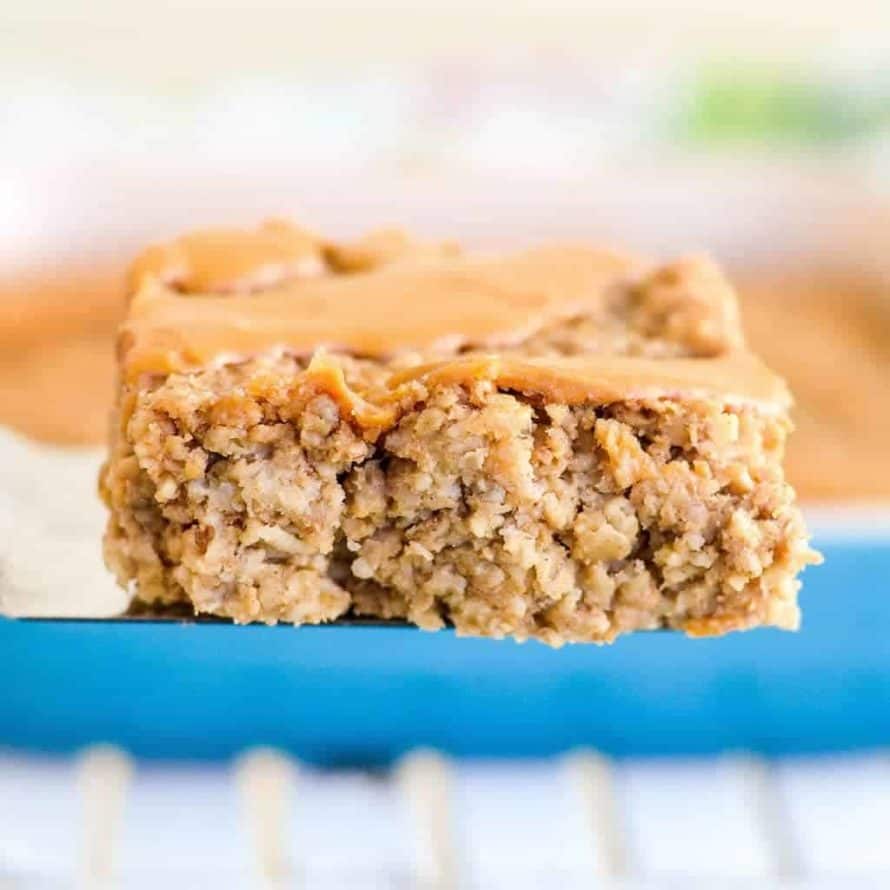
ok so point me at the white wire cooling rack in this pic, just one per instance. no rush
(580, 821)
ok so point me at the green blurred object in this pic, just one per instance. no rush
(745, 105)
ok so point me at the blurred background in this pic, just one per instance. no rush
(759, 132)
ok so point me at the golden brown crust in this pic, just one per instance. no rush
(689, 301)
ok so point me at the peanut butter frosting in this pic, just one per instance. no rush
(737, 379)
(226, 295)
(227, 260)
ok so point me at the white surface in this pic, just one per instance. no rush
(512, 825)
(51, 525)
(716, 809)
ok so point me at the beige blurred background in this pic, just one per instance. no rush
(194, 38)
(758, 132)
